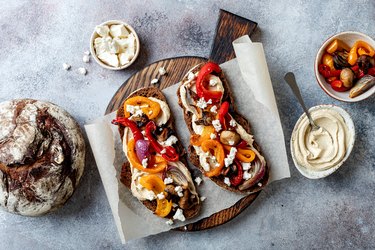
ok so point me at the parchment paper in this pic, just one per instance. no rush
(132, 219)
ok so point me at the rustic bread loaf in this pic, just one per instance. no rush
(42, 155)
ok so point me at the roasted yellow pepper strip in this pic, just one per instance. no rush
(327, 59)
(148, 107)
(243, 154)
(159, 161)
(218, 151)
(362, 48)
(337, 45)
(155, 183)
(197, 140)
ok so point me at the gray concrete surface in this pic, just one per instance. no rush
(38, 36)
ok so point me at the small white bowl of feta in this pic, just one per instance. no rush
(114, 45)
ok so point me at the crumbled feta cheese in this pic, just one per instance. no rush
(169, 222)
(203, 198)
(213, 136)
(143, 132)
(179, 191)
(246, 175)
(206, 166)
(118, 30)
(163, 151)
(232, 123)
(246, 165)
(66, 66)
(168, 180)
(217, 164)
(202, 103)
(260, 184)
(162, 71)
(227, 181)
(154, 81)
(160, 196)
(114, 48)
(86, 58)
(217, 125)
(130, 109)
(198, 180)
(230, 157)
(214, 80)
(138, 113)
(82, 71)
(179, 215)
(144, 162)
(170, 141)
(231, 142)
(102, 30)
(213, 109)
(209, 101)
(191, 76)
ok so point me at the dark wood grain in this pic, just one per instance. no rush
(229, 27)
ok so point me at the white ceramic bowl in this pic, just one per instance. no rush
(349, 37)
(95, 35)
(311, 174)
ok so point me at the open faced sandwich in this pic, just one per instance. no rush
(222, 146)
(156, 171)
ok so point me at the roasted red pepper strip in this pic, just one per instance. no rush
(237, 179)
(338, 86)
(326, 71)
(371, 71)
(170, 152)
(202, 83)
(242, 144)
(223, 111)
(132, 125)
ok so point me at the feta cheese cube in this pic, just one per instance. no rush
(198, 180)
(170, 141)
(82, 71)
(86, 58)
(66, 66)
(217, 125)
(203, 198)
(162, 71)
(232, 122)
(246, 165)
(202, 103)
(108, 58)
(169, 222)
(179, 215)
(246, 175)
(125, 58)
(118, 30)
(227, 181)
(230, 157)
(102, 30)
(213, 109)
(213, 136)
(160, 196)
(168, 180)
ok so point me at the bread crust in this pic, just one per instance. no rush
(194, 157)
(125, 177)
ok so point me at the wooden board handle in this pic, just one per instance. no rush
(229, 27)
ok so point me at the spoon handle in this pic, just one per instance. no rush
(291, 80)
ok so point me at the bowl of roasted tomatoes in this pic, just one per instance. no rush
(345, 66)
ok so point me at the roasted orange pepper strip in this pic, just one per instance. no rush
(159, 161)
(337, 45)
(359, 47)
(155, 183)
(150, 108)
(197, 140)
(218, 152)
(243, 154)
(327, 59)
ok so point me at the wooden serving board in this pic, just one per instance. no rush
(229, 27)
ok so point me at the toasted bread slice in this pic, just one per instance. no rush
(194, 157)
(126, 171)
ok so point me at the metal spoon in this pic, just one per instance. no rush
(291, 80)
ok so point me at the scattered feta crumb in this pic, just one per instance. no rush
(246, 165)
(227, 181)
(198, 180)
(163, 151)
(179, 215)
(87, 52)
(232, 122)
(160, 196)
(213, 109)
(202, 103)
(179, 191)
(260, 184)
(203, 198)
(154, 81)
(169, 222)
(246, 175)
(86, 58)
(231, 142)
(209, 101)
(143, 132)
(217, 125)
(230, 157)
(170, 141)
(168, 180)
(82, 71)
(162, 71)
(66, 66)
(191, 76)
(144, 162)
(213, 136)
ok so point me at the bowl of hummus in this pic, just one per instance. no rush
(318, 153)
